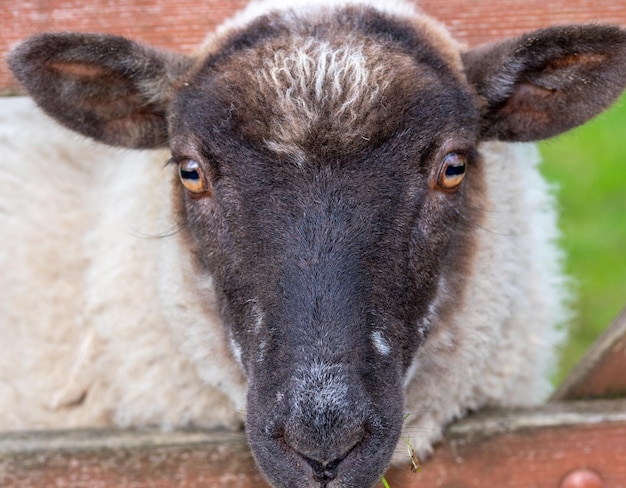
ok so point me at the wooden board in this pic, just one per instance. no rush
(181, 24)
(519, 448)
(602, 372)
(528, 448)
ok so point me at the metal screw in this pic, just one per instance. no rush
(582, 478)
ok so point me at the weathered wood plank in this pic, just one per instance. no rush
(98, 459)
(181, 24)
(602, 372)
(513, 449)
(524, 448)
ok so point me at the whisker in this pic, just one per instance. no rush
(165, 235)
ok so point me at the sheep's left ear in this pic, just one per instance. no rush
(546, 82)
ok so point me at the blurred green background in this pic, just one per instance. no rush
(588, 166)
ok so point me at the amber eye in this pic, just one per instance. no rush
(452, 171)
(192, 177)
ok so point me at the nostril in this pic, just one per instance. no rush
(325, 453)
(324, 471)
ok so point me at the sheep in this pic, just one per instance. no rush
(350, 242)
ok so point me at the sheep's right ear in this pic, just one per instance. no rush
(548, 81)
(105, 87)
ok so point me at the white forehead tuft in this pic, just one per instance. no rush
(313, 79)
(380, 343)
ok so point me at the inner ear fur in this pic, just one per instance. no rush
(106, 87)
(548, 81)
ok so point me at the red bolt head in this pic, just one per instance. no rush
(582, 478)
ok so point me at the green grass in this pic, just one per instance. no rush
(589, 167)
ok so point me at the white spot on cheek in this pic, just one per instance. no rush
(236, 348)
(262, 350)
(380, 343)
(257, 321)
(259, 317)
(256, 315)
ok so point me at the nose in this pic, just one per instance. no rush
(350, 450)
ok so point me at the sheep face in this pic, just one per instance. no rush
(331, 186)
(332, 207)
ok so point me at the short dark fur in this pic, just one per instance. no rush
(353, 240)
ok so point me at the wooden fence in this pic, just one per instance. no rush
(578, 440)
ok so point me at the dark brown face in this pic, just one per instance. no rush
(326, 182)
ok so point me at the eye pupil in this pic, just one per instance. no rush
(189, 174)
(455, 170)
